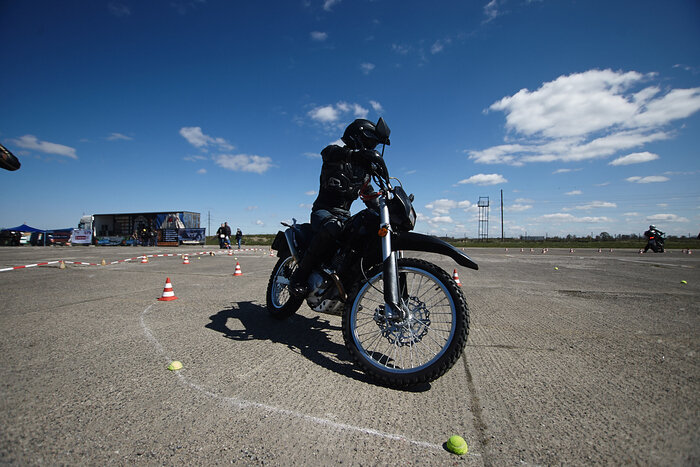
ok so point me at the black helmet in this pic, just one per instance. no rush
(363, 134)
(652, 227)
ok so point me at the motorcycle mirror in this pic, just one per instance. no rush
(8, 161)
(383, 131)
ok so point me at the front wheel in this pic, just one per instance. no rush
(417, 348)
(280, 302)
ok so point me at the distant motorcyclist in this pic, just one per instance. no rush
(345, 176)
(655, 239)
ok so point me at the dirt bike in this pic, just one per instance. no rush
(405, 321)
(655, 242)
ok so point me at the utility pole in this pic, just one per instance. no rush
(502, 238)
(209, 222)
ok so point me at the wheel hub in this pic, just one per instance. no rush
(404, 332)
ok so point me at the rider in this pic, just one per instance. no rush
(650, 234)
(345, 175)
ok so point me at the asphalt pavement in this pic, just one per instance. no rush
(573, 358)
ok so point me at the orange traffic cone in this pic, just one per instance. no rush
(185, 259)
(455, 276)
(168, 293)
(144, 259)
(238, 271)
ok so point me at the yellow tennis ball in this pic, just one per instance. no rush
(457, 445)
(175, 366)
(556, 268)
(684, 282)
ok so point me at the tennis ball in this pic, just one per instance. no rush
(556, 268)
(457, 445)
(175, 366)
(684, 282)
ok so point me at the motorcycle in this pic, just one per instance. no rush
(655, 242)
(405, 321)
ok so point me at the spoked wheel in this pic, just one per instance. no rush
(280, 302)
(420, 345)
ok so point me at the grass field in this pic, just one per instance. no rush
(671, 243)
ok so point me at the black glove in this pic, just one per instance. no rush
(374, 162)
(369, 156)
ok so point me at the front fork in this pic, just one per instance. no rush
(391, 275)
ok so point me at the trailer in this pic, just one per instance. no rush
(167, 228)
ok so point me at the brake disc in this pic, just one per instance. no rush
(403, 332)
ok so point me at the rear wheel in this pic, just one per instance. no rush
(417, 348)
(280, 302)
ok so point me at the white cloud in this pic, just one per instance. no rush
(588, 115)
(467, 206)
(441, 220)
(376, 106)
(359, 111)
(32, 142)
(333, 113)
(243, 163)
(319, 36)
(491, 10)
(649, 179)
(484, 179)
(437, 47)
(574, 193)
(195, 136)
(202, 171)
(195, 158)
(596, 205)
(566, 217)
(311, 193)
(635, 158)
(518, 207)
(259, 222)
(119, 136)
(325, 114)
(441, 206)
(667, 218)
(118, 9)
(367, 68)
(328, 4)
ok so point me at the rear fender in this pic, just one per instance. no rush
(418, 242)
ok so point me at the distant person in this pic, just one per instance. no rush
(221, 235)
(239, 237)
(153, 236)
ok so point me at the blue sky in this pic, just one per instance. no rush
(585, 113)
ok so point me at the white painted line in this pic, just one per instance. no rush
(242, 403)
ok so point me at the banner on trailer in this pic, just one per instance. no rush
(191, 236)
(81, 236)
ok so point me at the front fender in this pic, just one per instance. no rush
(418, 242)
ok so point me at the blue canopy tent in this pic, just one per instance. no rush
(24, 228)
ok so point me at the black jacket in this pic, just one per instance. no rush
(344, 177)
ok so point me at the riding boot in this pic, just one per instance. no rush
(316, 252)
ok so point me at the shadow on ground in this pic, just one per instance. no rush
(310, 337)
